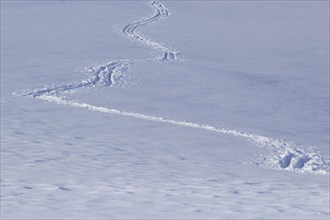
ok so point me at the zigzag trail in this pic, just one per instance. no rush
(108, 74)
(285, 156)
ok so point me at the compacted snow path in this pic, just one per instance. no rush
(287, 155)
(284, 155)
(129, 30)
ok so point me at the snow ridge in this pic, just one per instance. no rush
(284, 156)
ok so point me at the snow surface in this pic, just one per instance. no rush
(198, 109)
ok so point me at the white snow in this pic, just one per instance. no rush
(232, 123)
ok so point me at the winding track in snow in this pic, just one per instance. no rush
(130, 30)
(108, 74)
(287, 156)
(103, 75)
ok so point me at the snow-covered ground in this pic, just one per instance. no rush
(179, 109)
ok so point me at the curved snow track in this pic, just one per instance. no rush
(284, 156)
(108, 74)
(130, 30)
(102, 75)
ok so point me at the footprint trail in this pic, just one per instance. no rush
(284, 155)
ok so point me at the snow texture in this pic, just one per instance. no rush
(157, 151)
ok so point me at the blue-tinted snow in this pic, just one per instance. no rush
(257, 67)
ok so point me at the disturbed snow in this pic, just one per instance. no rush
(188, 156)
